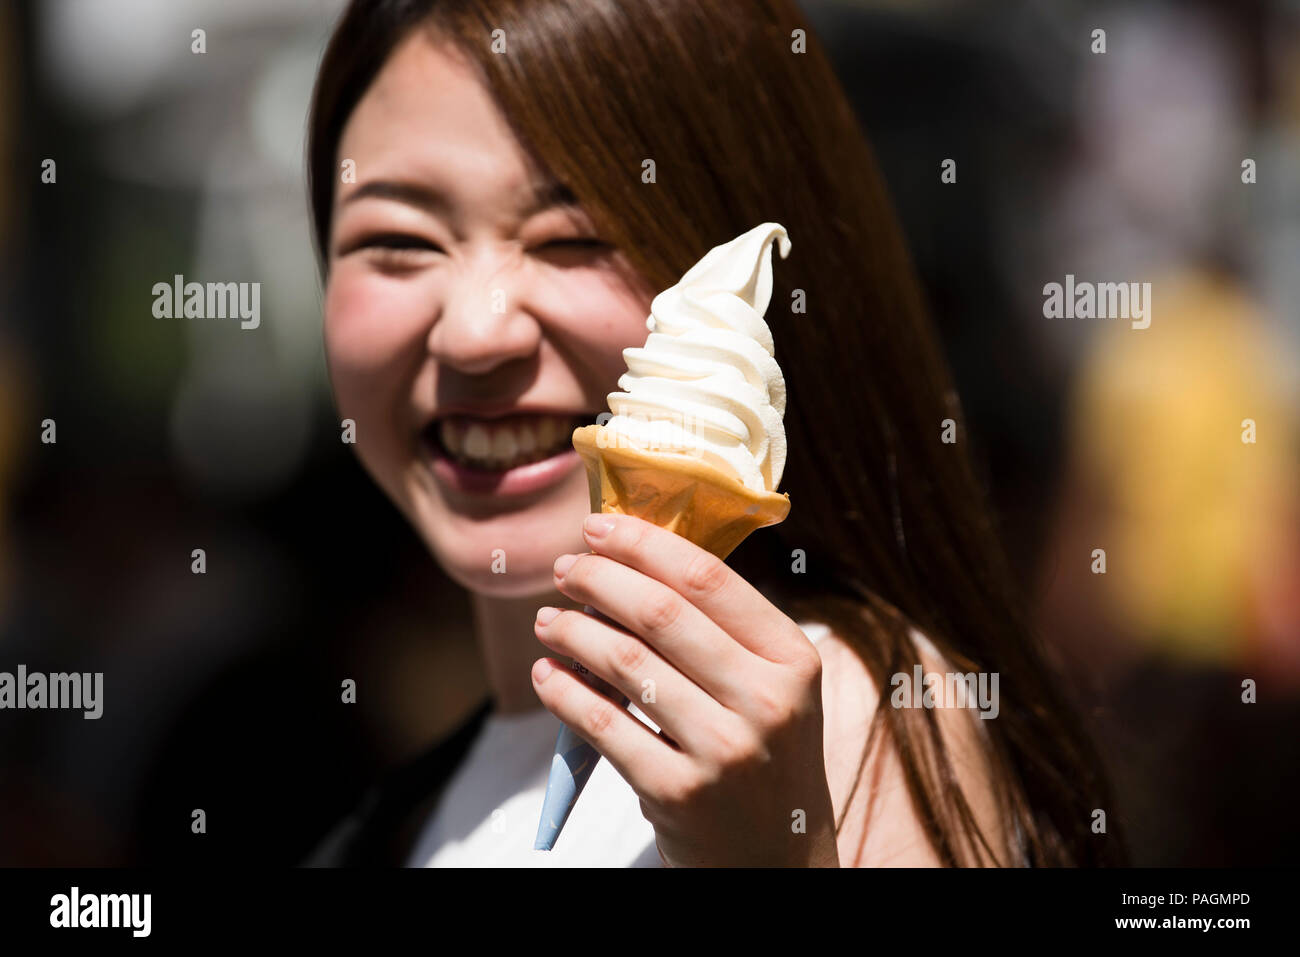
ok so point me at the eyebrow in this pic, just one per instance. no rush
(547, 194)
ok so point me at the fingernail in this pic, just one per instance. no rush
(546, 614)
(564, 563)
(598, 525)
(541, 670)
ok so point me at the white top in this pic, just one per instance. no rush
(487, 815)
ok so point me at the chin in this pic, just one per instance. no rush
(525, 576)
(500, 554)
(512, 556)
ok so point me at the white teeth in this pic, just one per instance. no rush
(451, 437)
(547, 430)
(478, 444)
(506, 443)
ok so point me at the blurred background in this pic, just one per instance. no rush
(174, 436)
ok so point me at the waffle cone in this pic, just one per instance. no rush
(675, 491)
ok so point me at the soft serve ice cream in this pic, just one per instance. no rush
(706, 382)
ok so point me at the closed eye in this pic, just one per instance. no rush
(394, 253)
(579, 242)
(572, 251)
(394, 241)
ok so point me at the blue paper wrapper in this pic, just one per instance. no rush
(571, 766)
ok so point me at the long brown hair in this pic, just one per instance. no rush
(746, 126)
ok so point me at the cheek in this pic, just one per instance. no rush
(375, 329)
(371, 322)
(602, 319)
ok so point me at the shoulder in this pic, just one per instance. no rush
(881, 826)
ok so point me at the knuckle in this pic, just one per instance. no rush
(805, 663)
(676, 796)
(705, 575)
(600, 718)
(629, 656)
(733, 744)
(809, 667)
(772, 708)
(659, 613)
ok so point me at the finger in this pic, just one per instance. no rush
(681, 633)
(671, 700)
(701, 578)
(642, 759)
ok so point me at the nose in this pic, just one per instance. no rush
(483, 322)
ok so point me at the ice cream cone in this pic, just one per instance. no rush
(674, 491)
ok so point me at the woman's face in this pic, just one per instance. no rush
(470, 323)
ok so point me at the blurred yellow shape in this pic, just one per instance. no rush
(1189, 508)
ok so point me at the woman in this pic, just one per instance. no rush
(499, 187)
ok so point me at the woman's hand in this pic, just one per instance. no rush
(737, 775)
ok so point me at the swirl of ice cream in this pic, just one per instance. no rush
(706, 382)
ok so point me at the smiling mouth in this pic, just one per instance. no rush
(501, 443)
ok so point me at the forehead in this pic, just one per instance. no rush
(427, 115)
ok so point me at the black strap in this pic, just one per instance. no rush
(380, 831)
